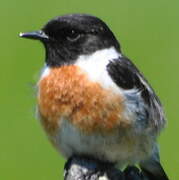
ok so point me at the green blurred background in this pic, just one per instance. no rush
(149, 34)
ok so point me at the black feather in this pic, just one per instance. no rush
(126, 75)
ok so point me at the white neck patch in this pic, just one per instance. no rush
(45, 72)
(95, 66)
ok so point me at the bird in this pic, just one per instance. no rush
(92, 100)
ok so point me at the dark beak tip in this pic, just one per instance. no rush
(38, 35)
(30, 35)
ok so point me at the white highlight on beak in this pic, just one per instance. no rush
(21, 34)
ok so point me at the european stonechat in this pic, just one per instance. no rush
(92, 100)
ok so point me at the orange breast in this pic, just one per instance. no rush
(67, 93)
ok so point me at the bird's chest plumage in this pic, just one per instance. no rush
(67, 93)
(82, 116)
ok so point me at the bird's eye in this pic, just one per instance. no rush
(72, 35)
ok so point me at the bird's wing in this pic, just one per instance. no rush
(125, 74)
(146, 105)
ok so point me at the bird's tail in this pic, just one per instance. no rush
(152, 167)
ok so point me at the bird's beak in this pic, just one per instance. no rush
(38, 35)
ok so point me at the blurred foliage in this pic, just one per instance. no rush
(148, 32)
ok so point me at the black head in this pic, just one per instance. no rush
(67, 37)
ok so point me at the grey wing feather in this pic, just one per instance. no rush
(125, 74)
